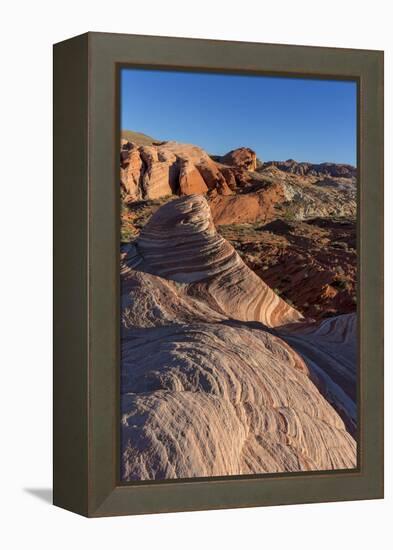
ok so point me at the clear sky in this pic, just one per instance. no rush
(280, 118)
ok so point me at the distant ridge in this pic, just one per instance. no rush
(137, 137)
(332, 169)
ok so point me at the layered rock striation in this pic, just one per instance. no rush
(220, 376)
(180, 243)
(313, 264)
(329, 349)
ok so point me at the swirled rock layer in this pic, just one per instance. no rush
(180, 243)
(215, 399)
(219, 375)
(329, 349)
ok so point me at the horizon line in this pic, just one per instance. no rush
(240, 146)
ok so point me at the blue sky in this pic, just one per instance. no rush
(280, 118)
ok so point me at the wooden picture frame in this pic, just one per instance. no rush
(86, 274)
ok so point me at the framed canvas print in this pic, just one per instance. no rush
(218, 274)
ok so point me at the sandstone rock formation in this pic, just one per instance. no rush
(238, 188)
(152, 171)
(258, 206)
(244, 158)
(310, 196)
(313, 264)
(219, 375)
(196, 253)
(329, 349)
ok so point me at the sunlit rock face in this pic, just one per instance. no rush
(181, 244)
(220, 376)
(239, 187)
(157, 170)
(243, 157)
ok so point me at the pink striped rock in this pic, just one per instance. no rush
(219, 375)
(180, 243)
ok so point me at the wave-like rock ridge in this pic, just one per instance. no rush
(219, 375)
(180, 243)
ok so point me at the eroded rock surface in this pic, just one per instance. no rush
(180, 243)
(244, 158)
(329, 349)
(220, 376)
(165, 168)
(239, 188)
(311, 264)
(308, 168)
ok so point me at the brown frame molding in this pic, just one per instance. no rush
(86, 274)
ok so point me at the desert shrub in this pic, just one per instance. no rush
(290, 213)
